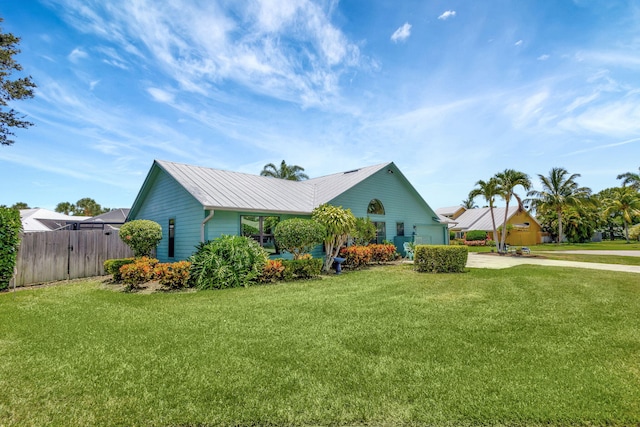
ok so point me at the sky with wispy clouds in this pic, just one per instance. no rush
(451, 91)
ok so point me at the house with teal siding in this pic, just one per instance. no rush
(195, 204)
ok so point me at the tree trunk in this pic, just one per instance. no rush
(503, 236)
(559, 227)
(626, 230)
(495, 229)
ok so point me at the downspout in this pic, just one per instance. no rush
(204, 222)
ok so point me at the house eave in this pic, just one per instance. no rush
(255, 210)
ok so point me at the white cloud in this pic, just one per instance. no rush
(528, 110)
(448, 14)
(519, 43)
(543, 57)
(160, 95)
(402, 33)
(285, 50)
(602, 147)
(610, 58)
(620, 119)
(77, 54)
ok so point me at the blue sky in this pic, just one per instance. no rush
(451, 91)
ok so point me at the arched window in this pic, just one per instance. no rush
(375, 207)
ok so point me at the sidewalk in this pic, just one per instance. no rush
(478, 260)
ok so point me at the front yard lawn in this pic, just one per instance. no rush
(523, 346)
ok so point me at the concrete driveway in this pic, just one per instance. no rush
(478, 260)
(618, 253)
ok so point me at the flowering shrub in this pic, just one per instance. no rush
(112, 266)
(138, 272)
(356, 256)
(475, 242)
(273, 271)
(382, 253)
(173, 275)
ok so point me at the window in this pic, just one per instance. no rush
(172, 238)
(375, 207)
(260, 228)
(399, 228)
(381, 232)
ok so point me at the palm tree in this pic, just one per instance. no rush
(65, 207)
(488, 190)
(291, 173)
(468, 203)
(630, 178)
(558, 192)
(508, 180)
(626, 202)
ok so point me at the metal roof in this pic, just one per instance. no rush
(480, 218)
(448, 211)
(39, 219)
(118, 215)
(226, 190)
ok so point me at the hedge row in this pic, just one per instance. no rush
(290, 269)
(360, 256)
(10, 228)
(136, 271)
(440, 258)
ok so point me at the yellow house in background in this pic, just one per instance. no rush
(523, 229)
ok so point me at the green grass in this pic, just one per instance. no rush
(387, 346)
(616, 245)
(605, 259)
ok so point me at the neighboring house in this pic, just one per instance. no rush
(111, 220)
(522, 228)
(452, 212)
(39, 219)
(195, 204)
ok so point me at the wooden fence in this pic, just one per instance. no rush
(61, 255)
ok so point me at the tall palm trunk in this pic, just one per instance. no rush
(495, 229)
(626, 230)
(503, 235)
(559, 225)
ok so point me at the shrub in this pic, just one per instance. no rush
(302, 268)
(452, 235)
(339, 224)
(272, 271)
(364, 231)
(227, 262)
(174, 275)
(491, 243)
(440, 258)
(382, 253)
(475, 235)
(634, 232)
(297, 235)
(112, 267)
(356, 256)
(138, 272)
(141, 235)
(10, 228)
(474, 242)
